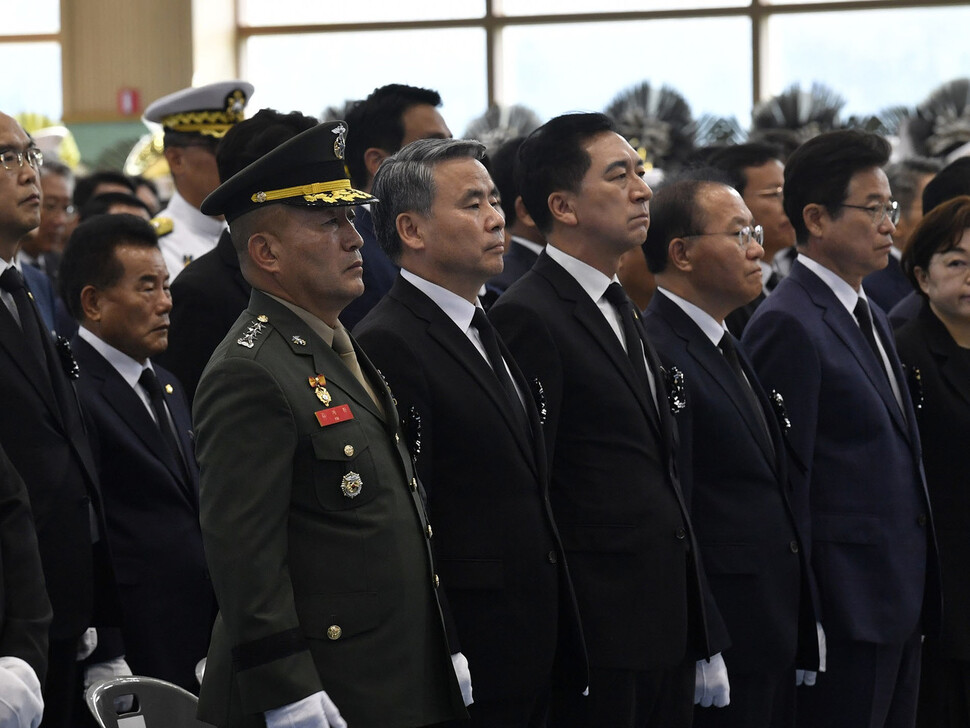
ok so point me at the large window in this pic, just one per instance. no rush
(30, 53)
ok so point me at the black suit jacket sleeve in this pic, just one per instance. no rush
(25, 612)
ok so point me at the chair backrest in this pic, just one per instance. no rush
(158, 704)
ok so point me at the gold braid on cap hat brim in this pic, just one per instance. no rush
(328, 192)
(210, 123)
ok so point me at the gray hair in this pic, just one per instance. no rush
(904, 177)
(405, 183)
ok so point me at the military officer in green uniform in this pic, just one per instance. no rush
(315, 533)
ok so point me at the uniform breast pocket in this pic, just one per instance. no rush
(344, 474)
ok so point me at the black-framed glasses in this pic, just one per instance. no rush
(12, 160)
(744, 236)
(879, 212)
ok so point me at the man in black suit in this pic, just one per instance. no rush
(389, 119)
(116, 282)
(209, 295)
(704, 249)
(525, 242)
(857, 479)
(615, 489)
(45, 439)
(26, 613)
(482, 458)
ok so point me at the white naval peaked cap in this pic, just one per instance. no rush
(210, 110)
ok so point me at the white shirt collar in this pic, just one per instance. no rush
(591, 280)
(455, 307)
(528, 244)
(846, 294)
(707, 323)
(896, 253)
(129, 369)
(178, 207)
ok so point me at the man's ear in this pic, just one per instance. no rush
(562, 208)
(410, 230)
(814, 217)
(678, 255)
(373, 156)
(523, 214)
(91, 303)
(263, 249)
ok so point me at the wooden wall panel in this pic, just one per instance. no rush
(112, 44)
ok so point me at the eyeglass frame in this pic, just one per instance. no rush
(745, 235)
(31, 155)
(891, 210)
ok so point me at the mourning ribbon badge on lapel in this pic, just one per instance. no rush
(66, 355)
(676, 386)
(914, 378)
(781, 414)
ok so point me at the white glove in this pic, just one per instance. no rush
(460, 663)
(21, 704)
(313, 711)
(109, 669)
(808, 677)
(87, 643)
(711, 685)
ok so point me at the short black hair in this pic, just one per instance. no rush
(89, 256)
(552, 158)
(502, 169)
(951, 181)
(84, 186)
(253, 138)
(819, 171)
(100, 204)
(674, 213)
(733, 160)
(377, 121)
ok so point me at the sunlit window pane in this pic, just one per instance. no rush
(313, 71)
(27, 18)
(565, 7)
(301, 12)
(42, 93)
(582, 66)
(863, 55)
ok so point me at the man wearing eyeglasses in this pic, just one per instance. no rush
(42, 432)
(704, 249)
(756, 171)
(194, 120)
(857, 480)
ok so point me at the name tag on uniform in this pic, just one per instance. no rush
(334, 415)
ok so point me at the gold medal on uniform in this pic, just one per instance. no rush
(319, 389)
(351, 484)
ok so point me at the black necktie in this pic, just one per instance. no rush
(730, 352)
(490, 342)
(12, 282)
(864, 318)
(634, 349)
(773, 280)
(149, 382)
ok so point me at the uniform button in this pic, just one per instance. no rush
(436, 581)
(414, 485)
(397, 437)
(429, 531)
(794, 547)
(681, 533)
(553, 557)
(921, 520)
(349, 450)
(334, 632)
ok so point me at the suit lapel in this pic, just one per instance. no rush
(845, 327)
(12, 340)
(456, 344)
(592, 319)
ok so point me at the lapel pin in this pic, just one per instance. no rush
(298, 340)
